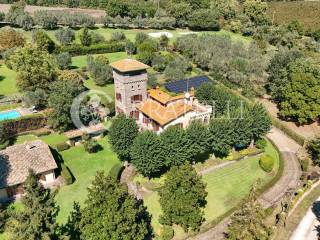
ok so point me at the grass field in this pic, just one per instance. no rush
(226, 188)
(307, 12)
(84, 167)
(7, 81)
(51, 139)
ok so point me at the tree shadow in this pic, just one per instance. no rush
(316, 210)
(59, 160)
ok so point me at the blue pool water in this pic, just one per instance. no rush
(9, 115)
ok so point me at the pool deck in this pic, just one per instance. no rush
(24, 111)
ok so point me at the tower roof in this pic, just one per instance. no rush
(129, 65)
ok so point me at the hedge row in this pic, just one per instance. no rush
(77, 49)
(25, 123)
(292, 134)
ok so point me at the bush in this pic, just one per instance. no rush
(118, 36)
(261, 143)
(63, 60)
(304, 163)
(77, 50)
(167, 233)
(65, 36)
(266, 163)
(66, 174)
(46, 19)
(90, 145)
(62, 146)
(116, 171)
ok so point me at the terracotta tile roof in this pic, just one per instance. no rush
(90, 130)
(15, 161)
(161, 114)
(129, 65)
(164, 97)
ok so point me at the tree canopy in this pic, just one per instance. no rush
(111, 213)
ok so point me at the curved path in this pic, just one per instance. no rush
(289, 180)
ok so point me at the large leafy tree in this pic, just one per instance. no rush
(301, 100)
(111, 213)
(62, 95)
(146, 154)
(182, 198)
(122, 133)
(260, 121)
(175, 146)
(220, 136)
(248, 221)
(256, 10)
(198, 135)
(35, 68)
(278, 71)
(37, 219)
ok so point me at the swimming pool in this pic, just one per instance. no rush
(13, 114)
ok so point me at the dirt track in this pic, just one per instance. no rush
(31, 9)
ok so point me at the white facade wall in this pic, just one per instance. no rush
(49, 176)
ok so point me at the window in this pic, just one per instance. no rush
(146, 120)
(118, 97)
(134, 114)
(155, 126)
(136, 98)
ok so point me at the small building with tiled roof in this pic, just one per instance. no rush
(153, 109)
(15, 162)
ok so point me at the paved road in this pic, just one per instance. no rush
(289, 179)
(306, 229)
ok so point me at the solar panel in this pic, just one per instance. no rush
(183, 85)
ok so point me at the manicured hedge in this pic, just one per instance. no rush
(77, 49)
(23, 124)
(66, 174)
(266, 163)
(62, 146)
(116, 171)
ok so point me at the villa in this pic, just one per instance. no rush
(156, 109)
(15, 162)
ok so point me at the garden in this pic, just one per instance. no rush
(226, 186)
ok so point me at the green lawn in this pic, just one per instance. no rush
(7, 81)
(226, 188)
(84, 167)
(51, 139)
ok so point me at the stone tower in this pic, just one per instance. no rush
(130, 83)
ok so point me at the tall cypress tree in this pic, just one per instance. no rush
(37, 220)
(111, 213)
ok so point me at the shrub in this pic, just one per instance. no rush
(118, 36)
(266, 163)
(43, 41)
(85, 37)
(116, 171)
(90, 145)
(304, 163)
(63, 60)
(167, 233)
(261, 143)
(316, 35)
(65, 36)
(77, 50)
(66, 174)
(2, 16)
(62, 146)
